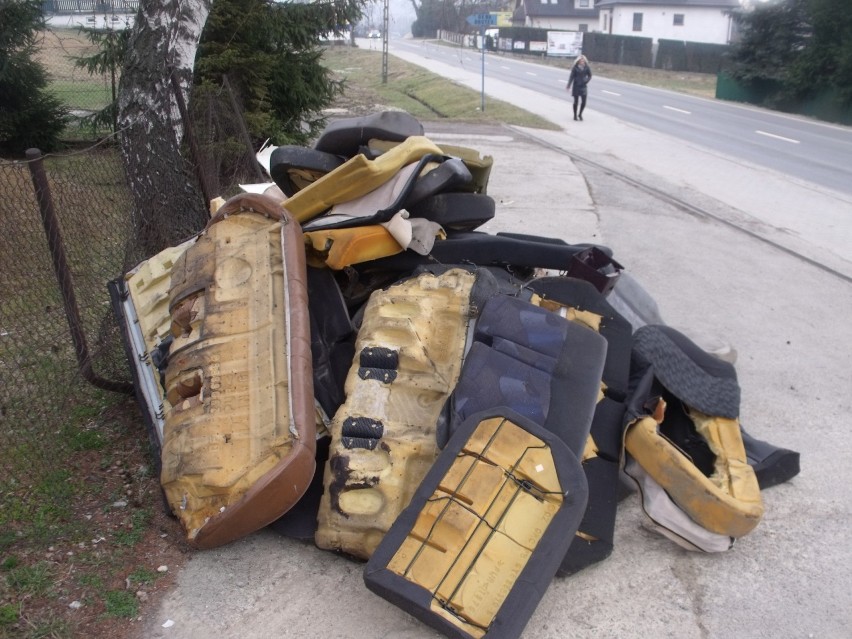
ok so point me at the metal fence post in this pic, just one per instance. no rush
(63, 275)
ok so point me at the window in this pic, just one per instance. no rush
(583, 4)
(678, 19)
(583, 28)
(637, 21)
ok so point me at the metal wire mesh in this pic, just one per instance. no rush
(63, 237)
(41, 388)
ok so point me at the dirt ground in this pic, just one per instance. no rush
(117, 553)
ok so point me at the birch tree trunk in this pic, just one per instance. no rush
(168, 206)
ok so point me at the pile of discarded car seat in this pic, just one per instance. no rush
(342, 355)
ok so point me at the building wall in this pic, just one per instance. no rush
(700, 24)
(563, 24)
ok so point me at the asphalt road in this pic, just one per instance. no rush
(800, 147)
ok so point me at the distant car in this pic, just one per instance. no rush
(374, 33)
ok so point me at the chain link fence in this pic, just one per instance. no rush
(66, 230)
(58, 247)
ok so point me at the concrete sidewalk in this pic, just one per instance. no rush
(789, 578)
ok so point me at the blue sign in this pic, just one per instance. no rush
(482, 19)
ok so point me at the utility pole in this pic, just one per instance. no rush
(482, 20)
(385, 13)
(482, 44)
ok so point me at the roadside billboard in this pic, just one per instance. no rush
(564, 43)
(504, 18)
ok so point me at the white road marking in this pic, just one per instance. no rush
(507, 68)
(671, 108)
(777, 137)
(531, 73)
(611, 93)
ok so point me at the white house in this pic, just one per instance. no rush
(562, 15)
(690, 20)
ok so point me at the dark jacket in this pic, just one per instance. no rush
(579, 78)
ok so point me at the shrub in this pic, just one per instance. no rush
(29, 115)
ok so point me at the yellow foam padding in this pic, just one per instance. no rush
(302, 177)
(356, 177)
(239, 439)
(584, 318)
(338, 248)
(215, 204)
(726, 503)
(476, 533)
(425, 321)
(590, 450)
(479, 166)
(148, 285)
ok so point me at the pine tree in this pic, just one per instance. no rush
(773, 36)
(826, 61)
(107, 59)
(803, 48)
(29, 115)
(270, 55)
(433, 15)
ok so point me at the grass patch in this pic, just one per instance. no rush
(87, 440)
(50, 517)
(143, 576)
(423, 94)
(84, 94)
(83, 432)
(138, 523)
(7, 537)
(121, 603)
(75, 87)
(9, 614)
(48, 628)
(32, 580)
(95, 582)
(9, 563)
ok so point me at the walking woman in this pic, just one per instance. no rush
(580, 76)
